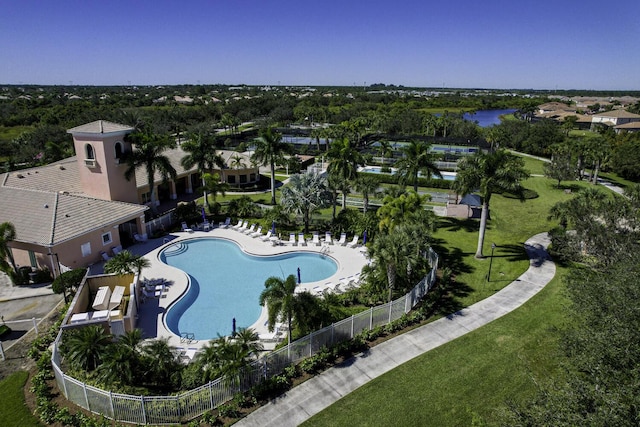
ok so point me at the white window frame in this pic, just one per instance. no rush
(109, 238)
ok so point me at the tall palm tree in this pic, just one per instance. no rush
(368, 186)
(7, 235)
(489, 173)
(269, 150)
(148, 154)
(344, 162)
(237, 161)
(417, 158)
(161, 362)
(85, 348)
(279, 296)
(392, 252)
(201, 152)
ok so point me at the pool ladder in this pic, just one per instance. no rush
(176, 249)
(187, 337)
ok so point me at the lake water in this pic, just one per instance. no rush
(486, 118)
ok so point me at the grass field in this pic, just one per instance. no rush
(13, 411)
(469, 380)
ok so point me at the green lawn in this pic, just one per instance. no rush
(13, 410)
(471, 378)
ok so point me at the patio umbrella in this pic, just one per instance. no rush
(204, 215)
(234, 326)
(299, 281)
(273, 228)
(364, 237)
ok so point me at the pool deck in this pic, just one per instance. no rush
(151, 313)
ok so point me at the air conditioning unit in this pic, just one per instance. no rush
(90, 163)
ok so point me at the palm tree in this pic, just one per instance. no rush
(391, 252)
(122, 359)
(148, 154)
(86, 347)
(269, 150)
(305, 194)
(213, 186)
(345, 160)
(7, 235)
(368, 186)
(126, 262)
(161, 362)
(384, 149)
(279, 296)
(237, 161)
(489, 173)
(417, 158)
(201, 152)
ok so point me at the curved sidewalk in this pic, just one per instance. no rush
(311, 397)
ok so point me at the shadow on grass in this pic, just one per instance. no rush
(450, 292)
(511, 253)
(457, 224)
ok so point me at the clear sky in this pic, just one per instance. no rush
(563, 44)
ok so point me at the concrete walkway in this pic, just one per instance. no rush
(311, 397)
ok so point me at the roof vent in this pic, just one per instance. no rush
(20, 176)
(46, 206)
(61, 167)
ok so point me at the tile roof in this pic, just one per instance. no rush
(100, 126)
(619, 114)
(61, 176)
(47, 218)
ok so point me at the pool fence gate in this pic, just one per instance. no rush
(194, 403)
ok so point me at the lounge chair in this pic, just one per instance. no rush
(238, 225)
(250, 229)
(226, 223)
(105, 256)
(139, 238)
(266, 236)
(206, 225)
(354, 242)
(301, 240)
(292, 239)
(343, 239)
(327, 238)
(257, 233)
(186, 228)
(116, 249)
(316, 238)
(243, 227)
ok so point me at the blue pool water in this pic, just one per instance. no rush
(226, 283)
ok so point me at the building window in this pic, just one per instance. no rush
(243, 179)
(119, 150)
(89, 152)
(146, 197)
(86, 249)
(106, 238)
(231, 179)
(252, 177)
(32, 259)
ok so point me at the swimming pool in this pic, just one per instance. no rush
(225, 283)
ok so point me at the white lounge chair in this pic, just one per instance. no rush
(257, 233)
(116, 249)
(343, 239)
(105, 256)
(292, 239)
(250, 229)
(151, 294)
(226, 223)
(327, 238)
(238, 225)
(266, 236)
(316, 238)
(301, 240)
(354, 242)
(206, 225)
(139, 238)
(186, 228)
(243, 227)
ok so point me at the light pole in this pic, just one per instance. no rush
(493, 247)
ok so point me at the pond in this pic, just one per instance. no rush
(486, 118)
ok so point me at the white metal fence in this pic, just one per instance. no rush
(193, 403)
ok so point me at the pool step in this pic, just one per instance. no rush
(176, 249)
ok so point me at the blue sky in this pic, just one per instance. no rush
(564, 44)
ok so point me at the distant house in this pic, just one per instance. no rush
(71, 212)
(614, 118)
